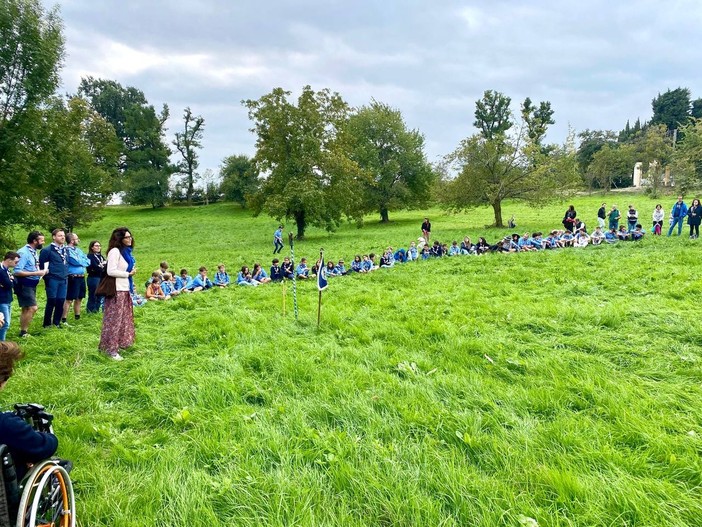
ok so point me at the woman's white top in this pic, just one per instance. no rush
(117, 267)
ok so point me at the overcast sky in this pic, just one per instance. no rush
(599, 62)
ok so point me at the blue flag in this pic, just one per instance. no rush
(322, 275)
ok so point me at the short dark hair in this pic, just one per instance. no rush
(34, 235)
(275, 260)
(56, 231)
(9, 353)
(11, 255)
(203, 268)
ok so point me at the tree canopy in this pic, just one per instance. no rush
(397, 172)
(302, 152)
(495, 165)
(240, 180)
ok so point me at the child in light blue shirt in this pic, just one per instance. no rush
(221, 278)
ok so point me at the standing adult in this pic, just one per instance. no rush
(601, 216)
(27, 275)
(426, 229)
(694, 215)
(95, 271)
(614, 216)
(278, 240)
(658, 215)
(632, 218)
(77, 263)
(677, 213)
(7, 285)
(118, 320)
(569, 218)
(54, 259)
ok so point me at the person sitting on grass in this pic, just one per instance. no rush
(184, 282)
(611, 236)
(155, 274)
(597, 236)
(524, 244)
(623, 234)
(244, 277)
(137, 299)
(467, 247)
(638, 233)
(221, 278)
(371, 259)
(454, 250)
(331, 269)
(201, 282)
(168, 285)
(259, 274)
(302, 271)
(582, 238)
(357, 264)
(340, 268)
(437, 251)
(387, 260)
(276, 270)
(288, 268)
(154, 291)
(426, 252)
(412, 253)
(537, 241)
(567, 239)
(400, 255)
(482, 246)
(551, 241)
(163, 268)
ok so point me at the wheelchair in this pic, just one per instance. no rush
(44, 497)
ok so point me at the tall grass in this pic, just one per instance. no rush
(561, 386)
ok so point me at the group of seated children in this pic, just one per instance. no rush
(164, 285)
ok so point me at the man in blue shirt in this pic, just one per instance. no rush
(77, 263)
(27, 275)
(54, 259)
(677, 214)
(278, 240)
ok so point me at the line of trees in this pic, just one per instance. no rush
(318, 161)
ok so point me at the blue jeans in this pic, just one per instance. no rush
(5, 310)
(679, 222)
(277, 246)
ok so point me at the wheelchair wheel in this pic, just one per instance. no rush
(47, 497)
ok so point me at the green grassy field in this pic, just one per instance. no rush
(563, 386)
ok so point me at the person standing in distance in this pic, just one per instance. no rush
(118, 320)
(694, 217)
(278, 240)
(77, 262)
(54, 259)
(28, 273)
(601, 216)
(677, 214)
(426, 229)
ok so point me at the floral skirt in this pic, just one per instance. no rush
(117, 323)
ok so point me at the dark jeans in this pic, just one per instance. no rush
(95, 302)
(55, 297)
(695, 230)
(278, 246)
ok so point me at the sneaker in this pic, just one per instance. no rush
(117, 357)
(65, 324)
(24, 334)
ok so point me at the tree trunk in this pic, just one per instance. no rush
(300, 222)
(384, 218)
(191, 189)
(497, 209)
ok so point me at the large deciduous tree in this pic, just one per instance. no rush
(240, 180)
(77, 164)
(31, 53)
(302, 152)
(611, 166)
(144, 167)
(501, 162)
(397, 172)
(687, 157)
(188, 142)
